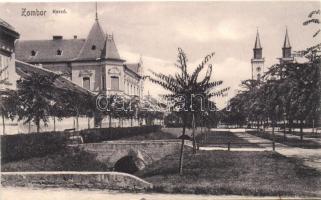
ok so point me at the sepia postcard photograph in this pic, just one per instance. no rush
(160, 100)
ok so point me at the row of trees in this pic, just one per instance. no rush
(116, 107)
(288, 92)
(38, 98)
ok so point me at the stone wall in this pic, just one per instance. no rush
(148, 151)
(97, 180)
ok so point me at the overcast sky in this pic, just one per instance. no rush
(156, 29)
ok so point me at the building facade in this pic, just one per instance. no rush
(93, 63)
(257, 61)
(8, 77)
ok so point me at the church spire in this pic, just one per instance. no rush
(286, 40)
(257, 50)
(286, 49)
(257, 61)
(96, 12)
(257, 44)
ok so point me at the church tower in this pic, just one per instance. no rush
(257, 61)
(286, 50)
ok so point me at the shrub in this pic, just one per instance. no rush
(105, 134)
(24, 146)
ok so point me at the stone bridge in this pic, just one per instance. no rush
(130, 156)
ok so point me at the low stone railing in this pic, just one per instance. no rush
(96, 180)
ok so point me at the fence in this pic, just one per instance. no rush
(238, 145)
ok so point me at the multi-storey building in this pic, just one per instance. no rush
(93, 63)
(7, 56)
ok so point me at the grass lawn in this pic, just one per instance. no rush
(307, 134)
(66, 160)
(293, 142)
(159, 135)
(233, 173)
(221, 138)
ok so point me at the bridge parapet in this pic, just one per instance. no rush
(110, 152)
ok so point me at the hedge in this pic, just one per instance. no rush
(24, 146)
(105, 134)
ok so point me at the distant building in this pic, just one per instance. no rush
(7, 55)
(287, 56)
(92, 63)
(257, 61)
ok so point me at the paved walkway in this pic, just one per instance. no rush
(310, 157)
(67, 194)
(318, 140)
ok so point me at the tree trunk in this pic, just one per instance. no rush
(29, 127)
(88, 122)
(77, 123)
(301, 130)
(273, 134)
(131, 121)
(284, 132)
(181, 153)
(193, 134)
(290, 125)
(54, 120)
(109, 121)
(38, 125)
(3, 125)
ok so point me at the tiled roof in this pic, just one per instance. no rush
(133, 67)
(94, 45)
(46, 50)
(10, 29)
(24, 70)
(5, 24)
(111, 49)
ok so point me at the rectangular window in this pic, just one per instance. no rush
(86, 83)
(103, 82)
(114, 83)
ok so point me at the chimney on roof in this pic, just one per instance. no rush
(57, 37)
(75, 36)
